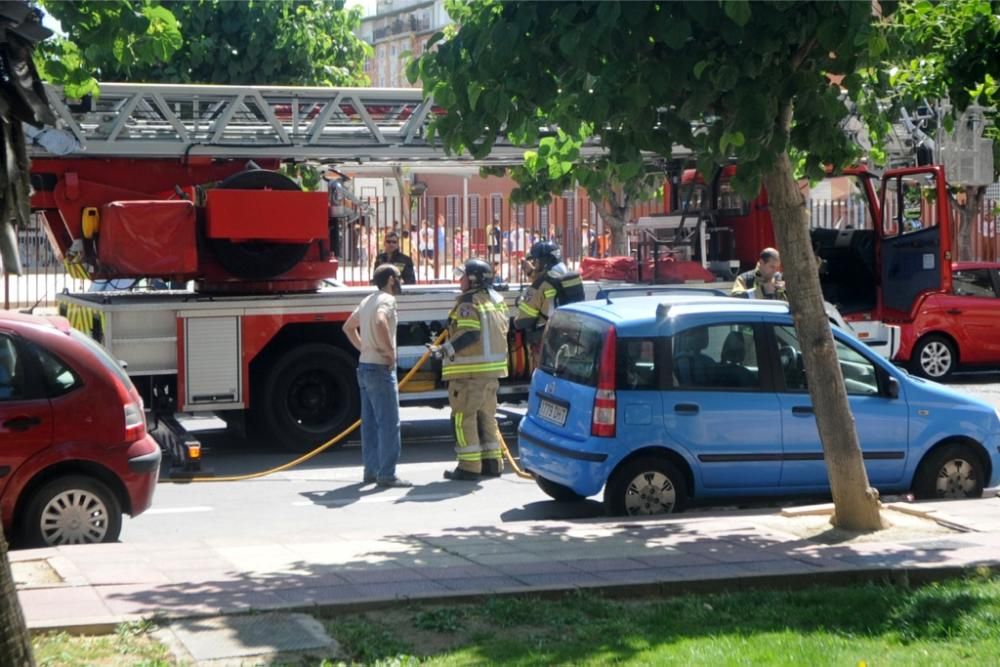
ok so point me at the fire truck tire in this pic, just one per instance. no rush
(258, 260)
(310, 395)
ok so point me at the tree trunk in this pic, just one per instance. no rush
(968, 213)
(856, 504)
(15, 642)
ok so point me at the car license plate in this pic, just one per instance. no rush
(551, 412)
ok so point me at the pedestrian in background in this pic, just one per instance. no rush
(763, 281)
(391, 254)
(371, 328)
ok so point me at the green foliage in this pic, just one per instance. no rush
(260, 42)
(123, 32)
(710, 76)
(937, 50)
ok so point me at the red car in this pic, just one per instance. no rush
(74, 452)
(957, 328)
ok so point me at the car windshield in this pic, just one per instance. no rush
(102, 355)
(571, 349)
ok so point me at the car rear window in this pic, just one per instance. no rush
(571, 349)
(102, 356)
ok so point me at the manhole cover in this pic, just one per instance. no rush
(245, 636)
(34, 574)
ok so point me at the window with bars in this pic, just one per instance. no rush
(474, 213)
(453, 212)
(496, 201)
(543, 221)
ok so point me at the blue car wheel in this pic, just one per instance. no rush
(647, 485)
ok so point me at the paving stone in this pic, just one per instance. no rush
(386, 576)
(607, 564)
(576, 578)
(674, 560)
(252, 636)
(541, 567)
(319, 595)
(460, 572)
(516, 557)
(644, 576)
(401, 589)
(483, 584)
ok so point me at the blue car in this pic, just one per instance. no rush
(661, 400)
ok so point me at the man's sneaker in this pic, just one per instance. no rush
(458, 474)
(368, 479)
(394, 482)
(492, 467)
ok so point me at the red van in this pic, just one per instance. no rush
(74, 451)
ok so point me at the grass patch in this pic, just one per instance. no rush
(130, 646)
(944, 623)
(875, 624)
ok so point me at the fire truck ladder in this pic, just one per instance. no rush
(337, 124)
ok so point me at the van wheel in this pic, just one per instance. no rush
(310, 395)
(557, 491)
(953, 471)
(648, 485)
(934, 357)
(71, 510)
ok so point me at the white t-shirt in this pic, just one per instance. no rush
(369, 308)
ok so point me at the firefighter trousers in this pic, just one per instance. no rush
(473, 404)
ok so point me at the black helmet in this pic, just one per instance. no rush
(547, 252)
(479, 272)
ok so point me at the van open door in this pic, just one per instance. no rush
(915, 237)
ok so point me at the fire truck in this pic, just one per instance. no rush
(883, 241)
(181, 183)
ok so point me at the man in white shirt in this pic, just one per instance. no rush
(371, 328)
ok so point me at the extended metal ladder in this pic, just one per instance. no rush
(340, 124)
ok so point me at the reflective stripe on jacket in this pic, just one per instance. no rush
(483, 311)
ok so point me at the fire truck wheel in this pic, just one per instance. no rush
(258, 260)
(310, 395)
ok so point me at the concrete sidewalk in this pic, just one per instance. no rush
(93, 588)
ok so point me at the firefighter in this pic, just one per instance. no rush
(474, 359)
(764, 281)
(552, 285)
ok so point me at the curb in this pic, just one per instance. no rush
(790, 582)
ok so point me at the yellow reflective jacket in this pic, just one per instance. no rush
(485, 312)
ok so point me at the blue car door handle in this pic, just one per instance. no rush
(802, 410)
(686, 408)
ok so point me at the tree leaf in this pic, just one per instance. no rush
(738, 11)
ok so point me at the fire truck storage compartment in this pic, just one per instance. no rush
(148, 238)
(847, 267)
(266, 215)
(213, 353)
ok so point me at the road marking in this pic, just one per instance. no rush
(179, 510)
(416, 498)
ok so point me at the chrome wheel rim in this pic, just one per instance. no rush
(935, 359)
(650, 492)
(956, 479)
(75, 516)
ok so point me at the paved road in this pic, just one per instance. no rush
(325, 497)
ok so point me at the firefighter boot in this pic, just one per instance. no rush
(461, 475)
(492, 467)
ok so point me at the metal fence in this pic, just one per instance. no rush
(442, 232)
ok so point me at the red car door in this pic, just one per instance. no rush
(25, 412)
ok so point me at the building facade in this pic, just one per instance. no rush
(399, 30)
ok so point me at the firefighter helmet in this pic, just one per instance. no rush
(546, 252)
(479, 272)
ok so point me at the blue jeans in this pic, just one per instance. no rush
(380, 442)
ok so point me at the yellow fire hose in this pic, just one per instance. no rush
(337, 438)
